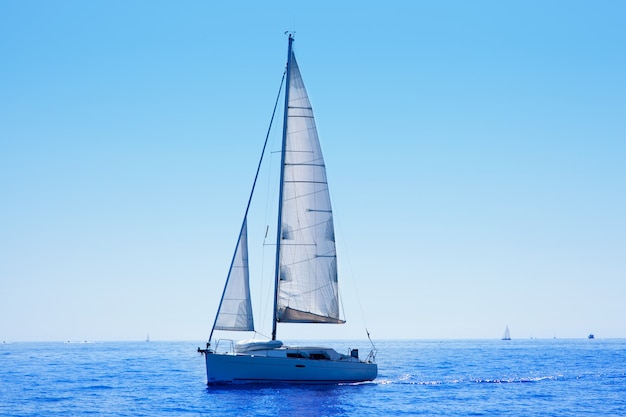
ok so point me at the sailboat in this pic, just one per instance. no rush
(305, 276)
(507, 334)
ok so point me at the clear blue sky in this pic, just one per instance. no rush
(476, 154)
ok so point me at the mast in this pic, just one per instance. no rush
(280, 194)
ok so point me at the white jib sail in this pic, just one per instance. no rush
(235, 312)
(308, 290)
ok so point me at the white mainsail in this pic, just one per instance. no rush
(307, 284)
(235, 310)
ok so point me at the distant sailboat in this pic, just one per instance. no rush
(305, 281)
(148, 337)
(507, 334)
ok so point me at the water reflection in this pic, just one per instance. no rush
(288, 399)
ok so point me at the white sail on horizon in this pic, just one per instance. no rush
(507, 333)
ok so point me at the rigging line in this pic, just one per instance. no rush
(269, 129)
(346, 256)
(245, 217)
(261, 298)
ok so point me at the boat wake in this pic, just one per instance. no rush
(409, 380)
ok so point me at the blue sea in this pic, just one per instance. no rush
(447, 377)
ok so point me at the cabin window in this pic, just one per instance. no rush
(318, 356)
